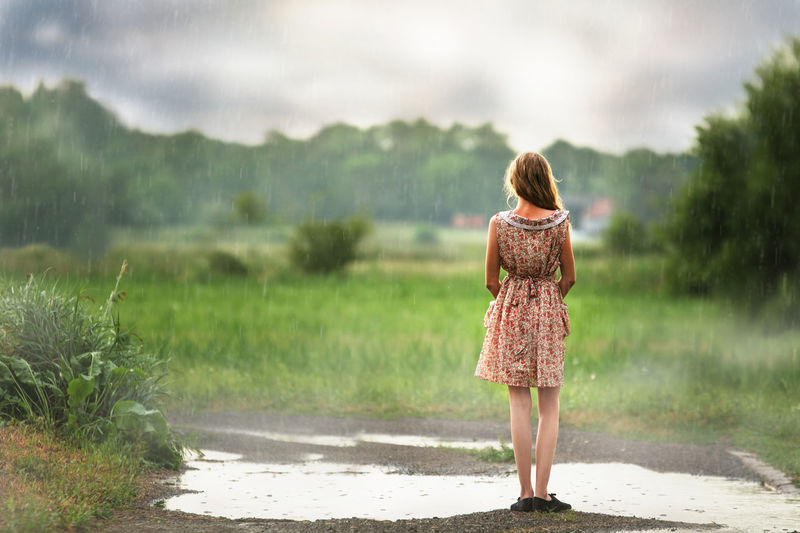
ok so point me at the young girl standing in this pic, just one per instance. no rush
(528, 320)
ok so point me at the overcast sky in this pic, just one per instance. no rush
(608, 74)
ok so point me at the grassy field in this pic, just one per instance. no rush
(399, 335)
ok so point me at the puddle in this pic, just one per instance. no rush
(340, 441)
(314, 490)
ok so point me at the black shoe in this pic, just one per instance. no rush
(553, 505)
(524, 505)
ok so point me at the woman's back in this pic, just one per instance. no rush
(531, 247)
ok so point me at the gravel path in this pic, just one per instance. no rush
(574, 446)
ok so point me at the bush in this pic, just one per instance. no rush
(781, 310)
(220, 262)
(249, 208)
(36, 258)
(425, 234)
(66, 367)
(158, 262)
(626, 234)
(325, 247)
(149, 262)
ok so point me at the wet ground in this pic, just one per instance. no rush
(267, 472)
(248, 434)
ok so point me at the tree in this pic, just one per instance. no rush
(249, 208)
(734, 225)
(41, 200)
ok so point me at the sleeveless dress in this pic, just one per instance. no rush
(528, 321)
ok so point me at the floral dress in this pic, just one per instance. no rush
(527, 323)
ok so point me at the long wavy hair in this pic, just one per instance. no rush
(529, 176)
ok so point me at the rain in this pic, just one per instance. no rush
(244, 263)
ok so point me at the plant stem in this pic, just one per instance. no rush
(113, 295)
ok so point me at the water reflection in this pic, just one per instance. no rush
(317, 489)
(341, 441)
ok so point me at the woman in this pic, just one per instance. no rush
(527, 323)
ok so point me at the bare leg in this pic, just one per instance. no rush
(519, 399)
(546, 437)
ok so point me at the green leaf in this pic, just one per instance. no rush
(96, 365)
(22, 370)
(5, 373)
(119, 371)
(134, 417)
(79, 389)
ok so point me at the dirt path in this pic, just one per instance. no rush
(226, 432)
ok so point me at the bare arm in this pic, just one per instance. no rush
(493, 260)
(567, 266)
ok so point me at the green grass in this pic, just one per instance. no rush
(504, 453)
(50, 484)
(371, 343)
(400, 337)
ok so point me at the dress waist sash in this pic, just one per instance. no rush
(530, 289)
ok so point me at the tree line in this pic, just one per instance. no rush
(69, 168)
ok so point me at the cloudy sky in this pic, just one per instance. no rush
(608, 74)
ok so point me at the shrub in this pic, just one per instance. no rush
(178, 262)
(35, 258)
(626, 234)
(325, 247)
(425, 234)
(221, 262)
(70, 368)
(249, 208)
(781, 310)
(157, 261)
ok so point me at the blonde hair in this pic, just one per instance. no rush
(529, 176)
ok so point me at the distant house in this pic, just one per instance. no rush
(460, 220)
(596, 216)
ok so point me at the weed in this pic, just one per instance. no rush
(502, 454)
(65, 367)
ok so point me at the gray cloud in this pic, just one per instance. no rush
(611, 74)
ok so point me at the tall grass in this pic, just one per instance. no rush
(68, 367)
